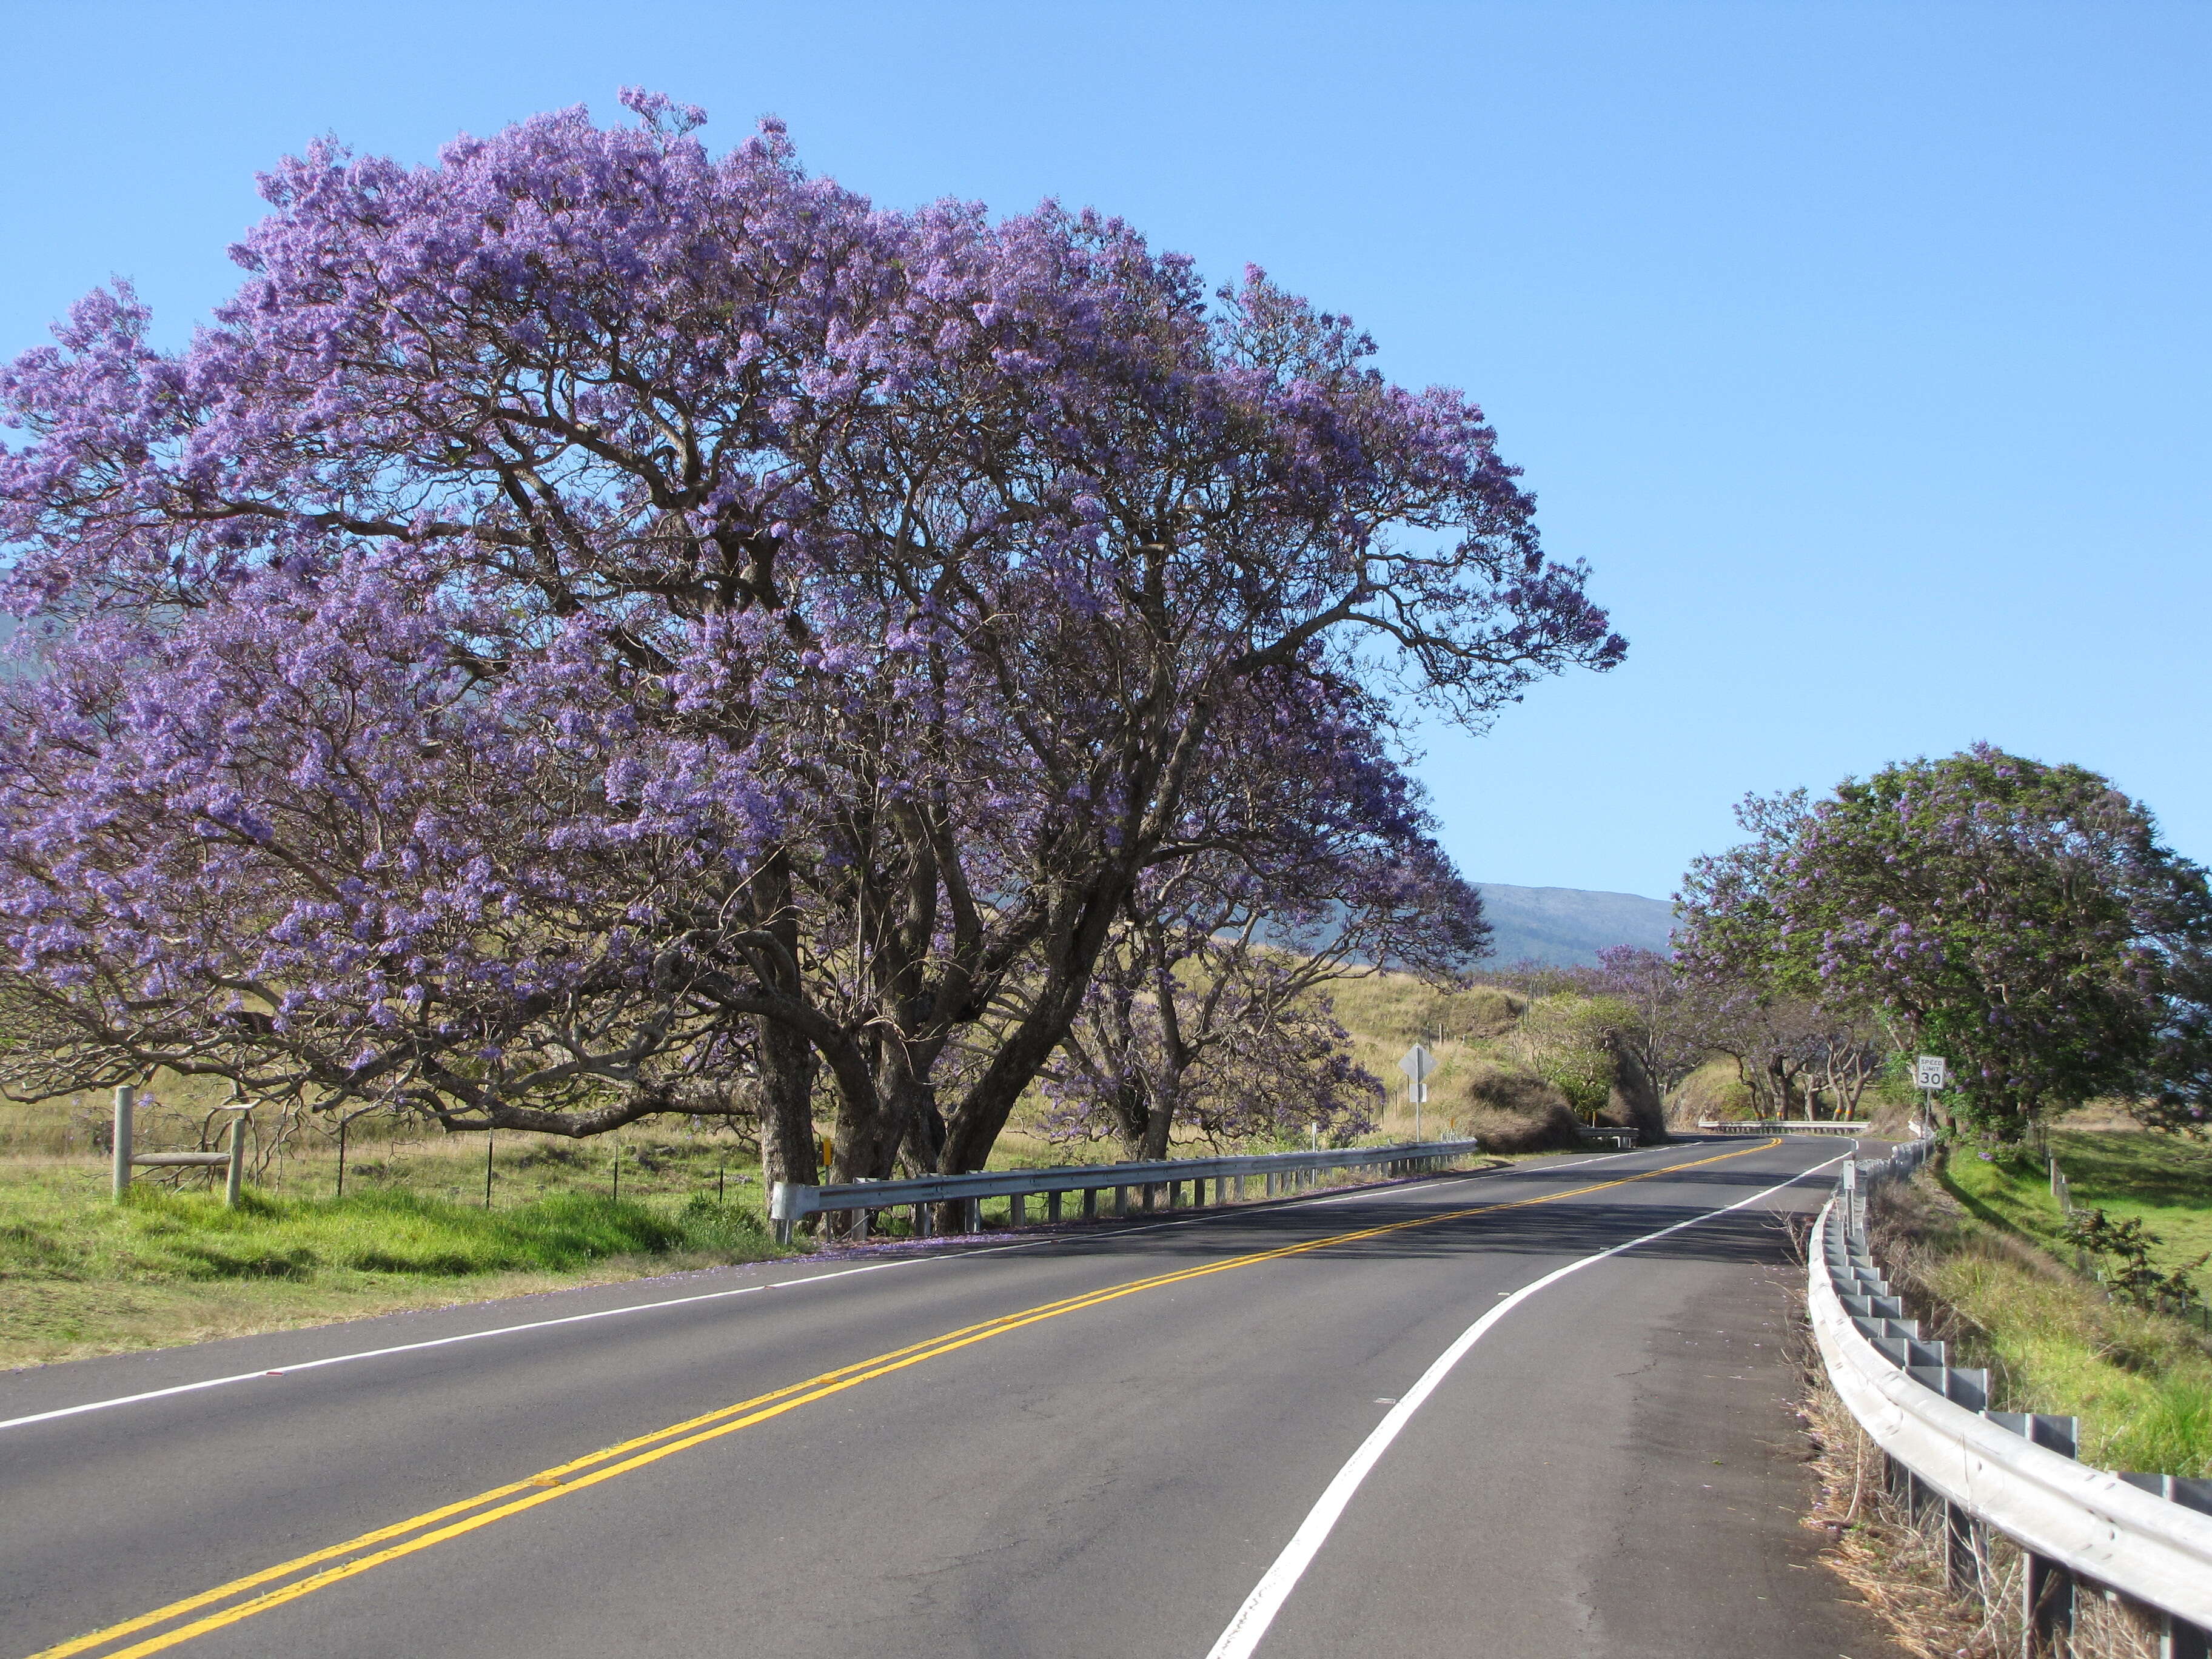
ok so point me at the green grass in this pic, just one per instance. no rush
(2165, 1180)
(164, 1236)
(80, 1274)
(2141, 1383)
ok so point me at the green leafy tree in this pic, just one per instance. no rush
(1568, 1041)
(2022, 919)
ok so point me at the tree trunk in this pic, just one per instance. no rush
(871, 1132)
(973, 1125)
(787, 1059)
(1160, 1124)
(786, 1105)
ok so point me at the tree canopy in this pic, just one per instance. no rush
(2024, 919)
(597, 628)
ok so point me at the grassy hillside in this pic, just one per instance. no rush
(2164, 1181)
(1388, 1013)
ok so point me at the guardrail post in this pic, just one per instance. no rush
(233, 1183)
(2047, 1609)
(972, 1216)
(1962, 1547)
(1017, 1209)
(2046, 1587)
(1919, 1498)
(1090, 1204)
(126, 1100)
(1052, 1201)
(921, 1219)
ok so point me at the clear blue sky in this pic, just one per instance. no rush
(1861, 348)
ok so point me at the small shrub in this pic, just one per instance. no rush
(2127, 1246)
(1515, 1111)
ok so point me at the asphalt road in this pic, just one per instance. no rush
(1361, 1424)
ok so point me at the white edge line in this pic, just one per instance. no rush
(1243, 1636)
(639, 1307)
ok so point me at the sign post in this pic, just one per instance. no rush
(1930, 1076)
(1418, 1066)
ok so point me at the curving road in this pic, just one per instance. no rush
(1468, 1414)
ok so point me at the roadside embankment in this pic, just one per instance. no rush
(2141, 1382)
(81, 1275)
(1966, 1243)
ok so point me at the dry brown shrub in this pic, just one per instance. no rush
(1513, 1111)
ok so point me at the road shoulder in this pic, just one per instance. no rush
(1709, 1555)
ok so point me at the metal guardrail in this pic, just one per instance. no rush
(790, 1203)
(1606, 1135)
(2011, 1473)
(1784, 1125)
(232, 1161)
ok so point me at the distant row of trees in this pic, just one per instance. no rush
(1646, 1010)
(597, 629)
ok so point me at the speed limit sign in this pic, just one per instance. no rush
(1929, 1073)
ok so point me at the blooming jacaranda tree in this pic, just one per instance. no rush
(593, 621)
(2021, 918)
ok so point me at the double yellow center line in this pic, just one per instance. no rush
(304, 1574)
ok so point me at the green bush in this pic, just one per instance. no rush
(709, 1226)
(1567, 1040)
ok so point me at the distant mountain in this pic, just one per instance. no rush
(1566, 926)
